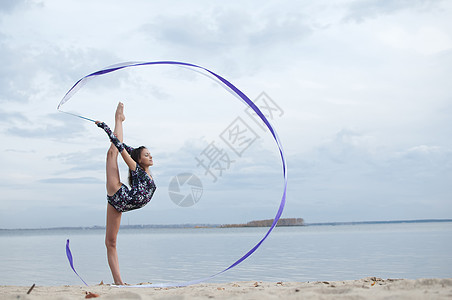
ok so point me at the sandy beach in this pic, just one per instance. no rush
(366, 288)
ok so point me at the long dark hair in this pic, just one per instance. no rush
(135, 154)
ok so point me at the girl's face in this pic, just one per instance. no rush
(145, 158)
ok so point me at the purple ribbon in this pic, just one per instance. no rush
(243, 98)
(71, 262)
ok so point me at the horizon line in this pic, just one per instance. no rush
(211, 225)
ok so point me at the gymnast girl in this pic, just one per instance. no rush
(120, 197)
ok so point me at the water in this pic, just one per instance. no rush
(309, 253)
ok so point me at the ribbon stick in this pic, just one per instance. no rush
(75, 115)
(71, 262)
(230, 88)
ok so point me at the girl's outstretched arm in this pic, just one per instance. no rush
(120, 146)
(128, 148)
(129, 160)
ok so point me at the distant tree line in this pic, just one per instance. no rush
(268, 223)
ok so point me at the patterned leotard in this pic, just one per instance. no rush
(143, 186)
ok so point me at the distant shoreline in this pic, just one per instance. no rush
(381, 222)
(195, 226)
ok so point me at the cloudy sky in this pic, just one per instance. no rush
(358, 92)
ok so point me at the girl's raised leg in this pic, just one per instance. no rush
(113, 185)
(113, 179)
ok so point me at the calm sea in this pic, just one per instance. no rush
(308, 253)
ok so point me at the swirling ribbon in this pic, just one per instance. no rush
(230, 87)
(71, 262)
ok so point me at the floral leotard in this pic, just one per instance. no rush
(143, 186)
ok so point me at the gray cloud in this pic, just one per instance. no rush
(351, 151)
(47, 131)
(92, 159)
(280, 30)
(422, 162)
(361, 10)
(8, 6)
(77, 180)
(338, 179)
(220, 31)
(69, 65)
(60, 128)
(232, 34)
(10, 117)
(348, 173)
(22, 66)
(347, 146)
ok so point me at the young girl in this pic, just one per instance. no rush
(120, 197)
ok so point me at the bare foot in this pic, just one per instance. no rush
(119, 115)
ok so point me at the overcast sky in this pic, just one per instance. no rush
(359, 92)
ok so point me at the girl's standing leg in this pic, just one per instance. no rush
(113, 185)
(111, 233)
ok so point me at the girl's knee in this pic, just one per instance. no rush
(110, 242)
(112, 152)
(113, 187)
